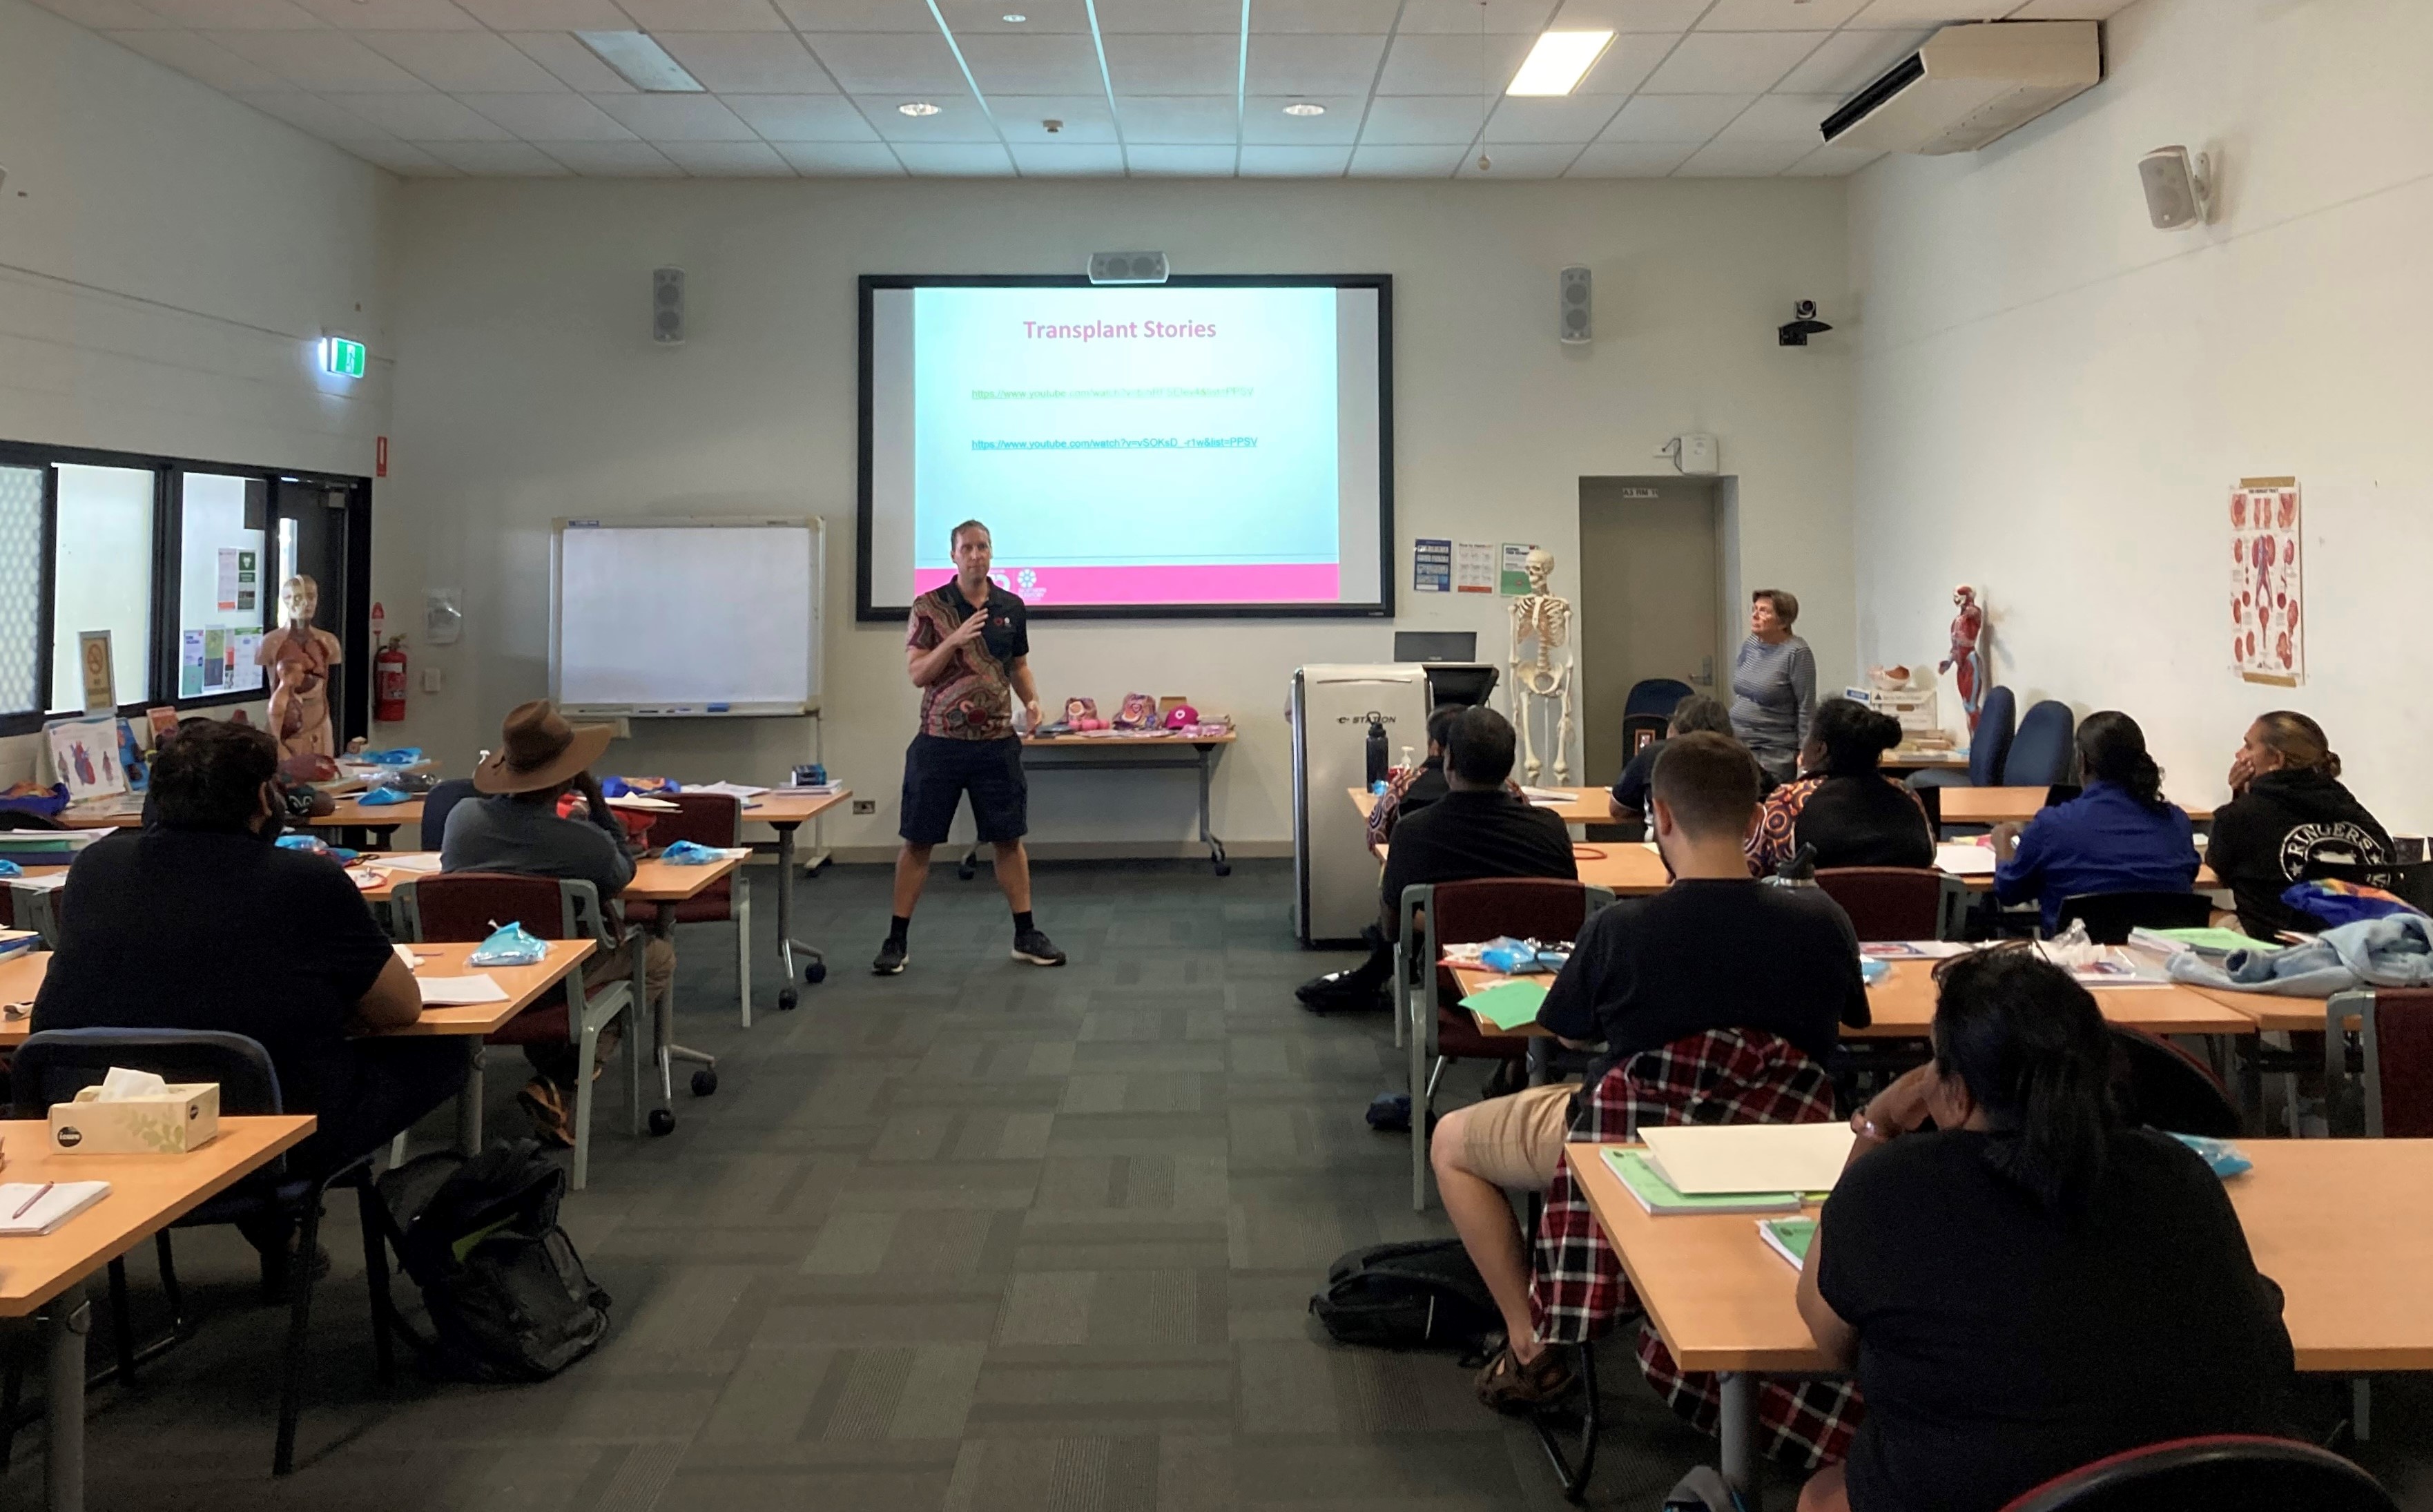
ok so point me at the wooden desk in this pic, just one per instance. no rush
(654, 881)
(383, 820)
(1908, 759)
(2273, 1010)
(47, 1273)
(785, 813)
(1586, 805)
(1129, 753)
(123, 813)
(21, 981)
(1996, 806)
(524, 986)
(2319, 1217)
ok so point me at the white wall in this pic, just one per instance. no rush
(528, 388)
(2054, 400)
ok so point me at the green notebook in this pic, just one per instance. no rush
(1509, 1005)
(2211, 941)
(1660, 1196)
(1788, 1237)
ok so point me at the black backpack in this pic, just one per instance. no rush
(1417, 1296)
(507, 1295)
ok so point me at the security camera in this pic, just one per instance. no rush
(1803, 325)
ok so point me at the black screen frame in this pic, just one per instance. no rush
(1382, 283)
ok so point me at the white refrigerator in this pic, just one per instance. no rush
(1334, 877)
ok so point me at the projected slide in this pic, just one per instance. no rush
(1189, 446)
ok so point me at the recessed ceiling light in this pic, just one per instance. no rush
(1013, 18)
(917, 107)
(644, 63)
(1559, 61)
(1304, 108)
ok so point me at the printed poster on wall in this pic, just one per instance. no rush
(190, 664)
(1515, 580)
(1474, 567)
(2267, 640)
(1431, 565)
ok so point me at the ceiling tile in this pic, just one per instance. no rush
(1520, 162)
(562, 117)
(324, 61)
(1630, 16)
(611, 160)
(960, 118)
(1780, 15)
(1375, 160)
(803, 117)
(1062, 160)
(392, 15)
(970, 18)
(655, 16)
(1461, 17)
(956, 161)
(549, 15)
(1294, 163)
(1171, 16)
(1725, 63)
(748, 63)
(727, 160)
(1572, 118)
(1629, 160)
(571, 63)
(859, 15)
(501, 160)
(1083, 119)
(664, 118)
(2068, 10)
(463, 62)
(1178, 65)
(1179, 120)
(1373, 18)
(234, 15)
(429, 116)
(1742, 159)
(1449, 65)
(1685, 118)
(1153, 160)
(1832, 163)
(402, 157)
(1313, 64)
(886, 62)
(1781, 118)
(1048, 63)
(1421, 120)
(107, 15)
(1847, 61)
(1264, 121)
(197, 57)
(314, 114)
(841, 160)
(1932, 12)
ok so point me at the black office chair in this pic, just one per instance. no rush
(435, 804)
(2222, 1472)
(2110, 916)
(2162, 1086)
(2041, 753)
(1988, 747)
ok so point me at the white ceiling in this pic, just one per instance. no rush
(1145, 88)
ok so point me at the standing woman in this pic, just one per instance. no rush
(1774, 685)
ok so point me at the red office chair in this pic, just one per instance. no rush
(2397, 1036)
(2162, 1086)
(1441, 1032)
(1897, 902)
(461, 906)
(716, 819)
(2223, 1473)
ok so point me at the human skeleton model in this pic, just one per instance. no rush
(1539, 615)
(1967, 663)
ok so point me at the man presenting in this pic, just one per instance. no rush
(967, 650)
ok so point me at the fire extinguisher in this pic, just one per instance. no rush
(388, 682)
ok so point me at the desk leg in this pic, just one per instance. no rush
(1738, 1428)
(1540, 1062)
(469, 1102)
(705, 1082)
(787, 944)
(1215, 847)
(65, 1323)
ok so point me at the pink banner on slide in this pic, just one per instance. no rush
(1247, 583)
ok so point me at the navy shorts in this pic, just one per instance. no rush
(938, 771)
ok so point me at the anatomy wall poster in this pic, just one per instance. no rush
(2267, 627)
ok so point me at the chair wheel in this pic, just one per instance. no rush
(662, 1121)
(786, 999)
(1224, 869)
(705, 1082)
(964, 871)
(821, 870)
(815, 972)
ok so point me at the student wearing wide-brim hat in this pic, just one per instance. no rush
(515, 826)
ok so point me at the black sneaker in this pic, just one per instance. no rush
(890, 959)
(1035, 947)
(1351, 990)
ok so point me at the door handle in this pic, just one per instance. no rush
(1706, 677)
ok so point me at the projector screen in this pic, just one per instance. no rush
(1211, 446)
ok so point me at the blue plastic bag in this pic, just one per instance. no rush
(509, 946)
(9, 867)
(684, 853)
(311, 844)
(2220, 1154)
(1520, 957)
(382, 797)
(404, 755)
(1873, 969)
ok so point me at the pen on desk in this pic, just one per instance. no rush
(40, 1193)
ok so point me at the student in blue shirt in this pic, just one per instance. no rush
(2118, 836)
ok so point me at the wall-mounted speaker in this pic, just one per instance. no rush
(1571, 306)
(2178, 189)
(1127, 267)
(666, 306)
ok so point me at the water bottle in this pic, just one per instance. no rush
(1376, 767)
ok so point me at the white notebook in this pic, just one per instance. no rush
(56, 1206)
(460, 992)
(1708, 1160)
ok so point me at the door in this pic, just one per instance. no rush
(1650, 592)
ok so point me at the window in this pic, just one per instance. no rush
(21, 554)
(103, 579)
(222, 589)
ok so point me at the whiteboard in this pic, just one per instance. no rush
(686, 617)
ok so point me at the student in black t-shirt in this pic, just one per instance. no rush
(2034, 1288)
(1843, 804)
(199, 921)
(1627, 801)
(1717, 950)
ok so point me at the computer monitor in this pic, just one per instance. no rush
(1435, 645)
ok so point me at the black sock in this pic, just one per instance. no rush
(1022, 922)
(896, 925)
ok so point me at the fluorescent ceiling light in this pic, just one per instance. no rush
(1559, 60)
(1013, 18)
(1304, 108)
(916, 107)
(644, 63)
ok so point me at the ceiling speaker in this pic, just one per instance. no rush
(1127, 267)
(2178, 195)
(666, 306)
(1571, 306)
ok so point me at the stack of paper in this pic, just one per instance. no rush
(1711, 1159)
(642, 804)
(1962, 860)
(1647, 1185)
(27, 1209)
(460, 992)
(416, 861)
(732, 790)
(2211, 943)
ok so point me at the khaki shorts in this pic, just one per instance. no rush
(1517, 1142)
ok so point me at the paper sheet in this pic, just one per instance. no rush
(421, 861)
(1750, 1157)
(460, 992)
(732, 790)
(1964, 861)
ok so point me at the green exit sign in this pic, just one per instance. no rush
(342, 357)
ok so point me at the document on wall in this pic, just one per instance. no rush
(1474, 567)
(1516, 567)
(1431, 565)
(244, 649)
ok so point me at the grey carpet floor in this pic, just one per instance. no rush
(982, 1236)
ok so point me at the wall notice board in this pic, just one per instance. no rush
(686, 617)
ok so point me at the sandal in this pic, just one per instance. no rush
(546, 1106)
(1508, 1385)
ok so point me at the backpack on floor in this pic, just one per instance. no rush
(508, 1297)
(1417, 1296)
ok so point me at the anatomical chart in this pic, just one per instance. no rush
(2268, 630)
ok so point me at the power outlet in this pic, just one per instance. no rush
(865, 806)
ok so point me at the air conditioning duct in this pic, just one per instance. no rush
(1970, 85)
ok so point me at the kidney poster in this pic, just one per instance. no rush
(2267, 628)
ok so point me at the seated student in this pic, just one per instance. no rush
(515, 828)
(2036, 1286)
(197, 921)
(1481, 828)
(1627, 802)
(2118, 836)
(1416, 786)
(1843, 804)
(2286, 808)
(1717, 950)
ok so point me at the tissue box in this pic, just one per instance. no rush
(177, 1118)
